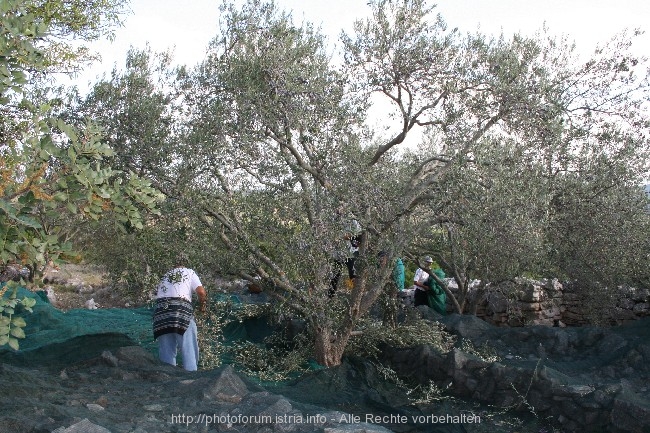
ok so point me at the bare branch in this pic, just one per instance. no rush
(408, 125)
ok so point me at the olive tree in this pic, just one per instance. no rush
(563, 201)
(273, 161)
(279, 162)
(494, 222)
(134, 107)
(598, 210)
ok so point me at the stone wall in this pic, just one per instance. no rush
(584, 379)
(551, 303)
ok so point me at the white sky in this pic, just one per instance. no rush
(189, 25)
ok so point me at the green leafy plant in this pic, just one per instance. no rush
(11, 326)
(53, 176)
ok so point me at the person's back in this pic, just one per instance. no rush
(179, 282)
(173, 321)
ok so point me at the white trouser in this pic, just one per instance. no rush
(168, 345)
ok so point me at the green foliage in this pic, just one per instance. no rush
(65, 21)
(562, 197)
(485, 214)
(53, 176)
(134, 110)
(11, 326)
(47, 178)
(51, 168)
(212, 340)
(136, 260)
(138, 111)
(277, 360)
(414, 332)
(19, 33)
(599, 232)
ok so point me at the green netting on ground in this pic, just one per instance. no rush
(47, 328)
(254, 329)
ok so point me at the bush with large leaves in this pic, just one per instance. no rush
(49, 168)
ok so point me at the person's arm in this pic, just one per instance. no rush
(424, 282)
(203, 298)
(419, 284)
(416, 277)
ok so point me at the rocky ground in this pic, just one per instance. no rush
(73, 286)
(94, 371)
(125, 389)
(102, 384)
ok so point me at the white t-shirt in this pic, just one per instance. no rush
(178, 283)
(420, 277)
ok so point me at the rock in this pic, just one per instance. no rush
(406, 297)
(135, 356)
(497, 303)
(537, 400)
(531, 293)
(93, 407)
(630, 413)
(580, 390)
(429, 313)
(51, 295)
(546, 302)
(83, 426)
(227, 387)
(110, 358)
(470, 327)
(91, 304)
(528, 306)
(279, 407)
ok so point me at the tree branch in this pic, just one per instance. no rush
(409, 123)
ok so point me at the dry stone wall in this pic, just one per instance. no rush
(581, 379)
(551, 303)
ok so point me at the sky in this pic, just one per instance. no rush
(188, 26)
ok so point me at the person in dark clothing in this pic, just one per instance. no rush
(353, 238)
